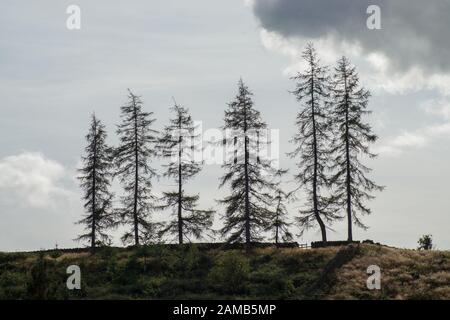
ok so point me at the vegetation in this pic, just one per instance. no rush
(205, 272)
(312, 142)
(330, 140)
(178, 145)
(353, 136)
(250, 177)
(94, 179)
(132, 158)
(426, 242)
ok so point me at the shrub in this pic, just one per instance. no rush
(426, 242)
(270, 282)
(38, 284)
(12, 285)
(230, 273)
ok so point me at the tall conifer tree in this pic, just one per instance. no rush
(352, 139)
(279, 225)
(312, 143)
(179, 144)
(94, 179)
(248, 175)
(133, 156)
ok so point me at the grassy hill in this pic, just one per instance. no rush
(199, 272)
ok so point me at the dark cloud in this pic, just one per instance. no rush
(414, 32)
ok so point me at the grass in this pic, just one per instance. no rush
(200, 272)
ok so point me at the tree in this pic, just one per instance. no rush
(278, 224)
(94, 179)
(248, 175)
(426, 242)
(312, 143)
(178, 144)
(132, 158)
(352, 139)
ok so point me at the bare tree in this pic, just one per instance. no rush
(248, 175)
(312, 143)
(279, 225)
(352, 139)
(94, 179)
(132, 158)
(178, 144)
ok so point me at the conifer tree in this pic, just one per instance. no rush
(248, 175)
(312, 143)
(94, 179)
(132, 158)
(279, 225)
(179, 143)
(352, 139)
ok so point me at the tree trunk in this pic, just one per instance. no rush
(247, 187)
(180, 219)
(94, 188)
(136, 179)
(323, 229)
(277, 221)
(348, 177)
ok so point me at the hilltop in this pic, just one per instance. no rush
(202, 272)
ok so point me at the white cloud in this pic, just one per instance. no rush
(438, 107)
(32, 179)
(396, 146)
(328, 48)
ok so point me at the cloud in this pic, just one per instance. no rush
(438, 107)
(420, 138)
(397, 145)
(413, 33)
(32, 179)
(408, 47)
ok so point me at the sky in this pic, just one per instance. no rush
(52, 79)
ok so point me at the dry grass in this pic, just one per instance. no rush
(273, 273)
(405, 274)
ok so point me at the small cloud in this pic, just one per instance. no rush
(32, 179)
(396, 146)
(438, 107)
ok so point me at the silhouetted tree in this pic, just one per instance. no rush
(94, 179)
(426, 242)
(248, 175)
(351, 142)
(279, 225)
(132, 157)
(178, 144)
(312, 143)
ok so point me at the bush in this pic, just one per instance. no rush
(230, 273)
(11, 257)
(55, 254)
(426, 242)
(12, 285)
(39, 281)
(270, 282)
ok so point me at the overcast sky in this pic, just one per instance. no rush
(52, 78)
